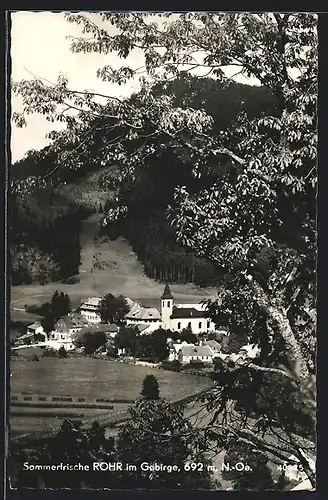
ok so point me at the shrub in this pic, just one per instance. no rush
(49, 352)
(34, 357)
(71, 280)
(194, 364)
(62, 353)
(174, 366)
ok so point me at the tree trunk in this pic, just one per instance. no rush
(277, 315)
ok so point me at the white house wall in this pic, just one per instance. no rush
(57, 344)
(91, 316)
(198, 325)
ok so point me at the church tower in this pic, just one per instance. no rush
(167, 303)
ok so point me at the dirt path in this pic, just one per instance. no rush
(106, 267)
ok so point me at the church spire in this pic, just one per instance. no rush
(167, 293)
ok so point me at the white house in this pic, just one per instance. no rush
(31, 331)
(90, 310)
(35, 328)
(189, 353)
(141, 315)
(65, 328)
(174, 350)
(109, 330)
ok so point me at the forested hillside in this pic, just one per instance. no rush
(150, 191)
(46, 222)
(44, 237)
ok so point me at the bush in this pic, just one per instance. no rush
(62, 353)
(32, 308)
(71, 280)
(34, 357)
(49, 352)
(194, 364)
(174, 366)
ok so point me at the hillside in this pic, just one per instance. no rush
(46, 221)
(122, 273)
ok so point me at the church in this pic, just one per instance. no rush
(171, 316)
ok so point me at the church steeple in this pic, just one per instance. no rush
(167, 293)
(166, 307)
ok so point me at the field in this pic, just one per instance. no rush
(88, 378)
(96, 378)
(122, 274)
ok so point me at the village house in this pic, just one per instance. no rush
(191, 353)
(34, 333)
(90, 310)
(109, 330)
(213, 344)
(64, 330)
(143, 315)
(174, 350)
(35, 328)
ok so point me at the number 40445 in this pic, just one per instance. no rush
(290, 467)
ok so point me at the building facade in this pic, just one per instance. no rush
(191, 353)
(64, 331)
(90, 310)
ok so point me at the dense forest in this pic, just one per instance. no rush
(44, 235)
(150, 192)
(46, 223)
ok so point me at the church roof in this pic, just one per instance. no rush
(187, 312)
(167, 293)
(143, 313)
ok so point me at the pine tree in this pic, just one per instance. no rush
(150, 388)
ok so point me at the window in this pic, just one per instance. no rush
(208, 324)
(200, 325)
(179, 325)
(62, 337)
(189, 324)
(168, 303)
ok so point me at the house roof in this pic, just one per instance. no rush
(213, 344)
(92, 301)
(142, 327)
(99, 328)
(167, 293)
(143, 313)
(34, 325)
(222, 356)
(193, 350)
(178, 346)
(187, 312)
(72, 321)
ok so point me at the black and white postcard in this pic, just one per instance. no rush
(162, 223)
